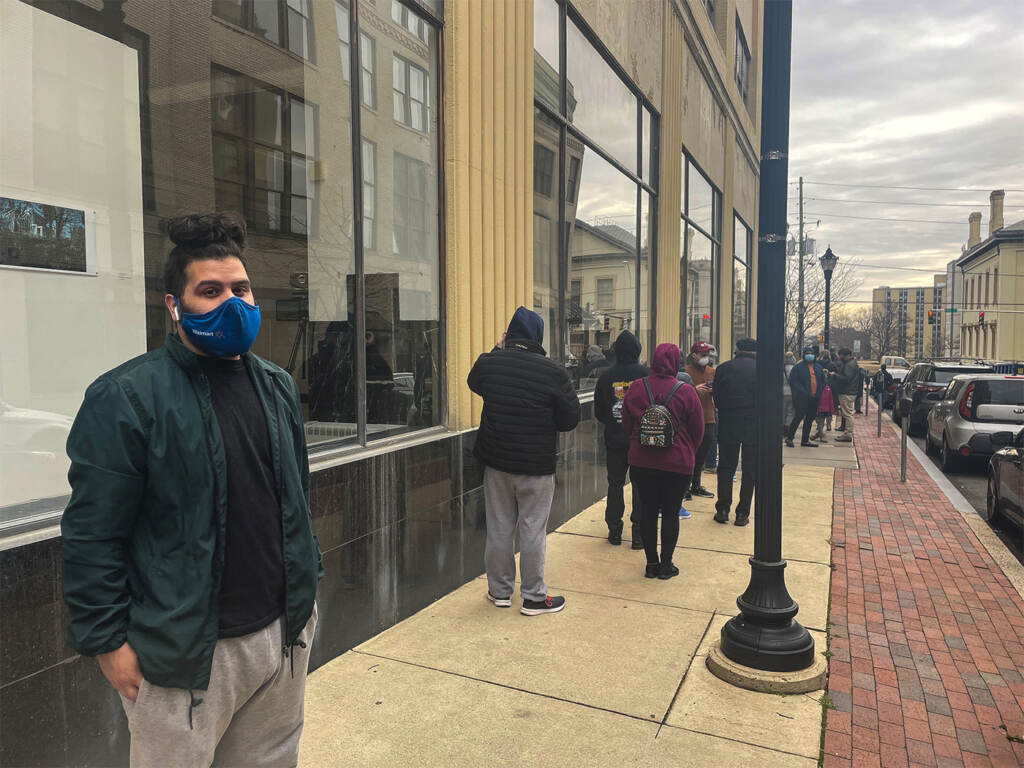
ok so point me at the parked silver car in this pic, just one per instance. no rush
(968, 411)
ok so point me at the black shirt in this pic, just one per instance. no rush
(253, 585)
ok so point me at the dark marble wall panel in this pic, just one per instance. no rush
(32, 721)
(357, 596)
(429, 551)
(96, 727)
(33, 623)
(474, 533)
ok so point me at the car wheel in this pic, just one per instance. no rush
(929, 446)
(914, 429)
(991, 501)
(950, 459)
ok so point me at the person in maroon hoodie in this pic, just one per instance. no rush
(662, 475)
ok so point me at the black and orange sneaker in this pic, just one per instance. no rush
(549, 604)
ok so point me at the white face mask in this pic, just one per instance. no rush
(703, 360)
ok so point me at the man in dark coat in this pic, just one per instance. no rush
(733, 391)
(611, 390)
(807, 381)
(845, 383)
(528, 400)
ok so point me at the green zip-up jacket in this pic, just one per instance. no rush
(144, 530)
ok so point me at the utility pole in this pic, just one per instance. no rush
(800, 299)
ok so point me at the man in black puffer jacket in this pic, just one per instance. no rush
(528, 400)
(611, 390)
(734, 389)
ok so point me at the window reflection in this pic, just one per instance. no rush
(602, 258)
(278, 139)
(545, 54)
(700, 201)
(545, 228)
(741, 281)
(596, 152)
(402, 273)
(604, 108)
(699, 254)
(700, 283)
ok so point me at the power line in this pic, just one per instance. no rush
(889, 202)
(889, 186)
(881, 218)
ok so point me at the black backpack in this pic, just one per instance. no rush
(657, 428)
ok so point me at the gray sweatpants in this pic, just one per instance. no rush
(523, 503)
(251, 715)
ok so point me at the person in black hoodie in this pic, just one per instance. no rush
(528, 400)
(733, 392)
(609, 393)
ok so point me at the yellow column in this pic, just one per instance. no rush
(488, 173)
(670, 182)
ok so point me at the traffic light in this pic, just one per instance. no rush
(981, 317)
(606, 323)
(931, 317)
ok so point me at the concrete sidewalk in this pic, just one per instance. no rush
(617, 679)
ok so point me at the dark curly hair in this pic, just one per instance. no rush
(198, 236)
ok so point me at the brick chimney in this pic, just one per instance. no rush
(995, 216)
(975, 230)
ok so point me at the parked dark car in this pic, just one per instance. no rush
(922, 388)
(1006, 480)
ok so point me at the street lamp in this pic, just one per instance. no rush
(828, 265)
(764, 638)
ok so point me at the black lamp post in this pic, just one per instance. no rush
(765, 635)
(828, 265)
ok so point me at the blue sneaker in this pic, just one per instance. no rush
(684, 513)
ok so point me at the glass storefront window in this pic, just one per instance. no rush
(593, 251)
(601, 105)
(740, 281)
(699, 254)
(546, 81)
(211, 117)
(603, 259)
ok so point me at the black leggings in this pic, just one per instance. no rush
(659, 491)
(702, 455)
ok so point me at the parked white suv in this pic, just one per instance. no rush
(969, 411)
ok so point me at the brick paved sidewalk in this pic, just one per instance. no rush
(927, 633)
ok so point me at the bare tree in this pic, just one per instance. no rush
(845, 282)
(884, 328)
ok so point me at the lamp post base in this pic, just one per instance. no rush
(800, 681)
(765, 635)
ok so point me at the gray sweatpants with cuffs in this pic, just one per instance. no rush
(517, 503)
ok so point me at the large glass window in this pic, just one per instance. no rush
(700, 247)
(740, 280)
(594, 137)
(201, 113)
(283, 22)
(742, 70)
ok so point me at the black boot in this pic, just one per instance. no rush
(742, 520)
(638, 538)
(615, 536)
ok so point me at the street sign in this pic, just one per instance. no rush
(952, 309)
(856, 346)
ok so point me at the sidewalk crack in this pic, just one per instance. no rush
(686, 673)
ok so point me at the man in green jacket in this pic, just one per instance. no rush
(190, 563)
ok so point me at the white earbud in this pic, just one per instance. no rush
(177, 312)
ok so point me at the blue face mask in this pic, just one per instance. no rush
(227, 330)
(809, 358)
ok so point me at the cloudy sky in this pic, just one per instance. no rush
(905, 93)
